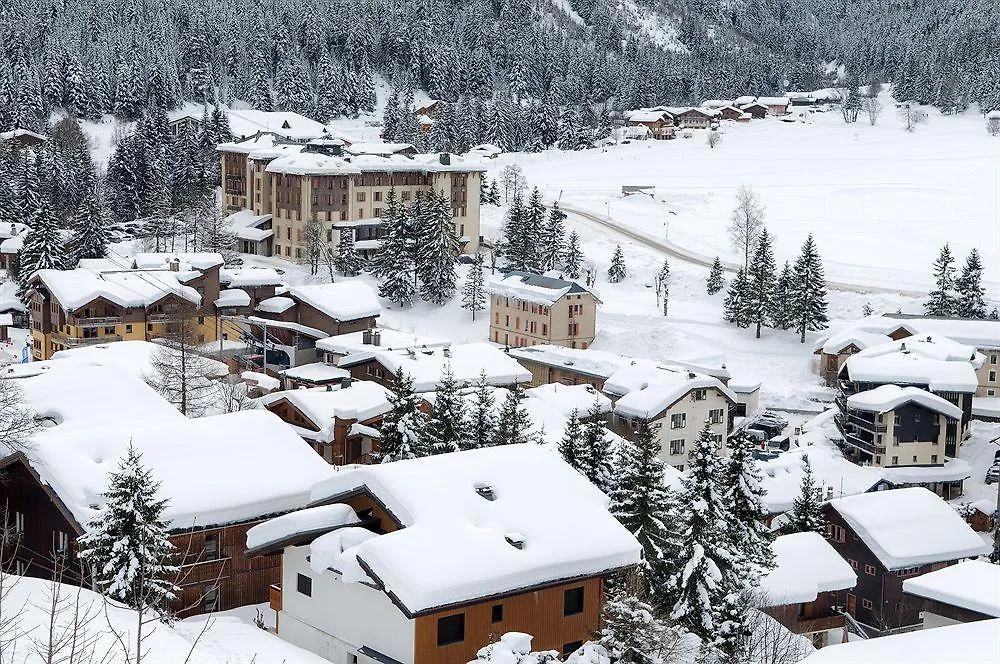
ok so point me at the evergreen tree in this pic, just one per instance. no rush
(348, 261)
(662, 283)
(512, 422)
(482, 423)
(402, 430)
(553, 239)
(735, 309)
(494, 197)
(572, 258)
(474, 291)
(445, 430)
(760, 291)
(942, 301)
(781, 300)
(994, 315)
(867, 310)
(808, 293)
(642, 503)
(531, 236)
(746, 504)
(617, 272)
(594, 451)
(42, 248)
(393, 261)
(806, 515)
(127, 547)
(632, 632)
(437, 248)
(715, 281)
(90, 231)
(970, 289)
(570, 442)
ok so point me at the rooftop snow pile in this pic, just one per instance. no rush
(312, 163)
(301, 522)
(134, 289)
(247, 122)
(135, 356)
(975, 333)
(316, 372)
(834, 344)
(343, 301)
(457, 512)
(969, 643)
(911, 369)
(934, 347)
(246, 225)
(233, 297)
(648, 391)
(278, 304)
(805, 566)
(467, 362)
(9, 301)
(971, 584)
(601, 364)
(362, 401)
(534, 288)
(889, 397)
(185, 261)
(250, 277)
(388, 339)
(567, 398)
(909, 527)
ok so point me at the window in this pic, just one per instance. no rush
(211, 598)
(211, 547)
(866, 603)
(304, 585)
(677, 446)
(895, 461)
(716, 415)
(678, 421)
(128, 329)
(288, 233)
(377, 196)
(361, 197)
(573, 601)
(835, 532)
(201, 320)
(109, 330)
(700, 395)
(854, 563)
(61, 542)
(870, 570)
(993, 376)
(993, 359)
(571, 647)
(496, 613)
(914, 458)
(19, 522)
(451, 629)
(680, 467)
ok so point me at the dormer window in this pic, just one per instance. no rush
(485, 490)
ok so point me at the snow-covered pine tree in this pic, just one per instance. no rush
(715, 282)
(703, 573)
(760, 291)
(513, 233)
(553, 240)
(808, 292)
(437, 250)
(994, 314)
(474, 291)
(393, 262)
(781, 299)
(532, 233)
(746, 527)
(806, 515)
(572, 258)
(617, 271)
(595, 451)
(445, 430)
(126, 547)
(513, 421)
(42, 248)
(402, 430)
(970, 289)
(941, 301)
(632, 631)
(642, 503)
(734, 307)
(494, 197)
(867, 310)
(348, 261)
(569, 443)
(90, 232)
(482, 423)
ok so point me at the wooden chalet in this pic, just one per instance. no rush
(756, 110)
(962, 593)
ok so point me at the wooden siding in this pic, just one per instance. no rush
(539, 613)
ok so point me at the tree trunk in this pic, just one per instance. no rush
(758, 329)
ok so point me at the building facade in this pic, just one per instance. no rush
(529, 309)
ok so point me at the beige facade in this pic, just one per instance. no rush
(570, 321)
(908, 453)
(989, 374)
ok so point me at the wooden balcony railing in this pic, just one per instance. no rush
(808, 625)
(96, 321)
(274, 597)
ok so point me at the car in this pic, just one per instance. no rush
(762, 455)
(993, 473)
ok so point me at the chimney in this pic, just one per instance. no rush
(445, 159)
(447, 351)
(175, 265)
(345, 382)
(692, 375)
(377, 337)
(366, 337)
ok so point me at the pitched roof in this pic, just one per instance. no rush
(343, 300)
(363, 400)
(971, 584)
(888, 397)
(130, 288)
(805, 566)
(535, 287)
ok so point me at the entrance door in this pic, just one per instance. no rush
(852, 605)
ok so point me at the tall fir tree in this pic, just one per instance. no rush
(734, 307)
(808, 300)
(513, 421)
(532, 231)
(715, 281)
(569, 444)
(402, 430)
(348, 262)
(781, 299)
(513, 234)
(89, 229)
(474, 294)
(445, 429)
(761, 278)
(805, 515)
(127, 547)
(941, 301)
(617, 271)
(970, 289)
(437, 250)
(595, 450)
(746, 504)
(393, 262)
(553, 240)
(572, 258)
(42, 248)
(482, 422)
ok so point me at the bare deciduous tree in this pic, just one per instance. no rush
(17, 420)
(767, 641)
(714, 138)
(314, 243)
(872, 108)
(746, 222)
(513, 181)
(68, 636)
(181, 374)
(911, 115)
(11, 612)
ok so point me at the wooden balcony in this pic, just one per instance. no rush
(96, 321)
(77, 342)
(274, 597)
(809, 625)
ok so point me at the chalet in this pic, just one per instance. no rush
(695, 118)
(22, 138)
(467, 362)
(716, 103)
(293, 321)
(732, 113)
(431, 108)
(103, 301)
(8, 255)
(485, 151)
(254, 232)
(259, 283)
(775, 105)
(424, 561)
(756, 110)
(659, 123)
(962, 593)
(981, 515)
(676, 402)
(341, 345)
(528, 309)
(183, 121)
(904, 430)
(340, 423)
(221, 475)
(889, 536)
(314, 374)
(801, 591)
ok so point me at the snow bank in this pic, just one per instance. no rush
(889, 397)
(324, 517)
(343, 301)
(233, 297)
(135, 356)
(970, 643)
(805, 566)
(972, 584)
(909, 527)
(389, 339)
(567, 398)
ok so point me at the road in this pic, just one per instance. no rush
(694, 258)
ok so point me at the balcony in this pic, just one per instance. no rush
(809, 625)
(852, 439)
(97, 321)
(274, 596)
(77, 342)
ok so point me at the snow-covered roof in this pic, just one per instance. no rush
(646, 116)
(278, 304)
(312, 163)
(968, 643)
(935, 347)
(9, 301)
(601, 363)
(455, 544)
(379, 148)
(186, 261)
(22, 133)
(773, 101)
(362, 401)
(912, 369)
(909, 527)
(301, 523)
(250, 277)
(467, 361)
(971, 584)
(12, 229)
(298, 328)
(247, 122)
(744, 385)
(888, 397)
(389, 339)
(486, 150)
(744, 100)
(262, 380)
(233, 297)
(245, 225)
(716, 103)
(131, 289)
(267, 466)
(316, 372)
(343, 300)
(133, 356)
(805, 566)
(650, 391)
(976, 333)
(981, 406)
(535, 288)
(834, 344)
(567, 398)
(952, 470)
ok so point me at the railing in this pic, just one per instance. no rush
(853, 440)
(274, 596)
(105, 321)
(76, 342)
(163, 318)
(808, 625)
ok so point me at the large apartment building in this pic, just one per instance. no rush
(103, 301)
(342, 186)
(529, 309)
